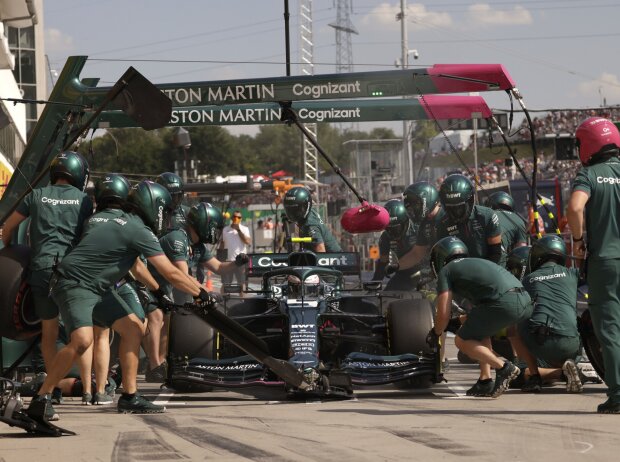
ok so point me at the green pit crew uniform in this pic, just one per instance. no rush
(401, 280)
(176, 245)
(498, 298)
(514, 232)
(602, 183)
(57, 213)
(117, 303)
(315, 228)
(178, 220)
(482, 224)
(110, 309)
(553, 287)
(429, 228)
(178, 217)
(107, 251)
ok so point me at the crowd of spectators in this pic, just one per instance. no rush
(548, 168)
(556, 122)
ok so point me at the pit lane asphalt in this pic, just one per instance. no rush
(379, 424)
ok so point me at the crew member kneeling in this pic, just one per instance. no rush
(498, 300)
(549, 340)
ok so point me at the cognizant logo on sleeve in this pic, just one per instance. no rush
(607, 179)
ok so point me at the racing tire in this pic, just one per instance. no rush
(408, 324)
(18, 320)
(591, 344)
(188, 337)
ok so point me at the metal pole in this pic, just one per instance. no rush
(476, 182)
(287, 41)
(475, 128)
(405, 64)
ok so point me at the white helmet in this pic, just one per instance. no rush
(311, 286)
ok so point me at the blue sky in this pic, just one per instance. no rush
(561, 54)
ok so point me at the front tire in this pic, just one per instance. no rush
(189, 337)
(409, 321)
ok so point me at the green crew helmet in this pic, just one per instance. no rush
(152, 202)
(111, 189)
(297, 204)
(446, 250)
(399, 220)
(501, 200)
(420, 199)
(208, 222)
(517, 260)
(550, 247)
(456, 194)
(72, 167)
(174, 184)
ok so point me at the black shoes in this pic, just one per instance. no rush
(481, 388)
(57, 396)
(137, 404)
(608, 407)
(156, 375)
(533, 384)
(41, 408)
(503, 377)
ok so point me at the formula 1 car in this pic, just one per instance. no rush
(336, 337)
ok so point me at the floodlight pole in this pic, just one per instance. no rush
(287, 40)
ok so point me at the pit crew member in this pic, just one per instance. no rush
(203, 225)
(57, 213)
(105, 254)
(498, 300)
(514, 228)
(298, 207)
(550, 336)
(399, 237)
(596, 189)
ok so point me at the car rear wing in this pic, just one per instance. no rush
(346, 262)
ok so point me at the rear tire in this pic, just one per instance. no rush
(591, 343)
(18, 320)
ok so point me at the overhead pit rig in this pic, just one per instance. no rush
(362, 96)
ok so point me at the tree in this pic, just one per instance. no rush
(128, 150)
(133, 151)
(216, 149)
(278, 147)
